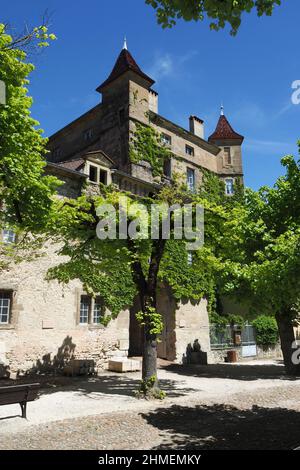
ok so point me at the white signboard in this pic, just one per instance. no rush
(248, 351)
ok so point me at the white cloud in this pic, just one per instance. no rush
(167, 65)
(285, 108)
(270, 146)
(163, 66)
(250, 113)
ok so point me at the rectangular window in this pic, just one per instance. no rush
(93, 174)
(85, 303)
(8, 236)
(5, 303)
(166, 139)
(99, 310)
(190, 179)
(189, 150)
(227, 155)
(103, 176)
(87, 135)
(229, 186)
(167, 167)
(190, 258)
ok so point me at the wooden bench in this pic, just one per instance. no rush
(19, 394)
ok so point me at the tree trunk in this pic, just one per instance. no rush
(149, 369)
(287, 338)
(147, 293)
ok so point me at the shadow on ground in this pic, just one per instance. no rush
(232, 371)
(226, 427)
(106, 384)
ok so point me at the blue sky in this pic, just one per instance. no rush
(195, 70)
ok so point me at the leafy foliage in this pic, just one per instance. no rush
(224, 320)
(218, 12)
(26, 196)
(262, 257)
(266, 330)
(146, 145)
(151, 317)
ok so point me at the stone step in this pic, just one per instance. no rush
(121, 364)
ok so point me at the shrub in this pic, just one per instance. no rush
(266, 330)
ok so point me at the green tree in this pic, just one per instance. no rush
(218, 12)
(25, 195)
(261, 258)
(123, 269)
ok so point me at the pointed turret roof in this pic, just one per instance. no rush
(224, 131)
(124, 63)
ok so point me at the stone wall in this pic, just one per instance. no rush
(185, 324)
(44, 328)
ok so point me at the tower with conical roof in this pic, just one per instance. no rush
(230, 142)
(127, 96)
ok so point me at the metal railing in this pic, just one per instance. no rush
(224, 337)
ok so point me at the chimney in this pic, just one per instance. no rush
(197, 126)
(153, 101)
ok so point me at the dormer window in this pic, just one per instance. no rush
(87, 135)
(97, 174)
(103, 176)
(166, 139)
(93, 174)
(229, 186)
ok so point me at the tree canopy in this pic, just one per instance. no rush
(24, 193)
(261, 259)
(219, 13)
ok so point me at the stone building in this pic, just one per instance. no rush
(43, 324)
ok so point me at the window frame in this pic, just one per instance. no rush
(227, 156)
(166, 139)
(189, 150)
(167, 168)
(102, 308)
(5, 240)
(102, 171)
(96, 168)
(226, 181)
(81, 323)
(192, 171)
(92, 302)
(9, 307)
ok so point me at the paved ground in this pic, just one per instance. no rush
(223, 406)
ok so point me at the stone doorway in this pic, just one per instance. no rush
(135, 332)
(166, 346)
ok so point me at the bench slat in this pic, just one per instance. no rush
(17, 397)
(18, 393)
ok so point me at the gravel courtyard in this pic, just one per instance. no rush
(227, 406)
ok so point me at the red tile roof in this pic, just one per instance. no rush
(72, 164)
(224, 131)
(124, 63)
